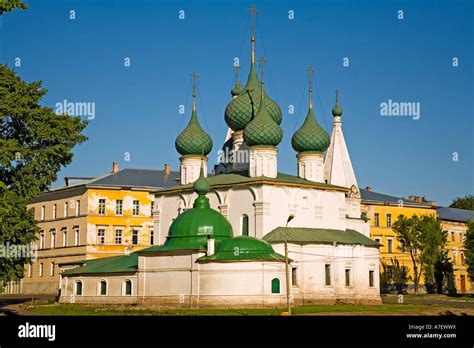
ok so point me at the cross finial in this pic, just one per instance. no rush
(262, 61)
(194, 76)
(337, 97)
(253, 13)
(310, 72)
(236, 74)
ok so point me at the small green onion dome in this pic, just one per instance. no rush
(337, 110)
(310, 136)
(193, 140)
(241, 110)
(190, 230)
(236, 90)
(243, 248)
(263, 130)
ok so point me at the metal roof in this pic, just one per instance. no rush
(307, 235)
(115, 264)
(138, 178)
(370, 196)
(453, 214)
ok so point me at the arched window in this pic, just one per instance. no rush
(78, 288)
(462, 259)
(245, 225)
(103, 288)
(275, 286)
(128, 287)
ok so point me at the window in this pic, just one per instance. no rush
(30, 270)
(455, 254)
(78, 207)
(152, 236)
(66, 208)
(327, 271)
(54, 211)
(462, 259)
(136, 207)
(128, 287)
(152, 207)
(389, 220)
(118, 207)
(294, 276)
(348, 277)
(275, 286)
(79, 288)
(41, 240)
(118, 236)
(305, 202)
(101, 236)
(76, 235)
(377, 240)
(51, 270)
(245, 225)
(371, 279)
(452, 237)
(390, 271)
(103, 288)
(102, 206)
(64, 233)
(135, 237)
(53, 238)
(40, 272)
(43, 210)
(389, 245)
(376, 220)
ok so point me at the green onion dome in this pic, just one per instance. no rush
(310, 136)
(190, 230)
(263, 130)
(241, 110)
(243, 248)
(193, 140)
(337, 110)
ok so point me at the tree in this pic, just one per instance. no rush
(10, 5)
(423, 238)
(466, 202)
(444, 275)
(469, 249)
(35, 143)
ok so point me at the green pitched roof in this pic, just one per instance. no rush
(237, 178)
(115, 264)
(306, 235)
(243, 248)
(310, 136)
(193, 140)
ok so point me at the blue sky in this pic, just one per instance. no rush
(407, 60)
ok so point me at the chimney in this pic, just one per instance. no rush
(66, 180)
(368, 188)
(210, 245)
(115, 167)
(167, 169)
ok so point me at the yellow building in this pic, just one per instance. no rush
(90, 218)
(383, 210)
(454, 222)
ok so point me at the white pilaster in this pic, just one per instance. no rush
(311, 166)
(263, 161)
(190, 167)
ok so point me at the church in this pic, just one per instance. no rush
(247, 235)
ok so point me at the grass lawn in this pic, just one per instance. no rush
(340, 309)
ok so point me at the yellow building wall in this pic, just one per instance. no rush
(385, 233)
(110, 221)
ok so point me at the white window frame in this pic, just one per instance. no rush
(390, 241)
(66, 209)
(41, 239)
(99, 287)
(51, 269)
(99, 207)
(75, 288)
(55, 211)
(124, 287)
(137, 230)
(121, 235)
(388, 218)
(43, 212)
(136, 207)
(350, 277)
(41, 269)
(64, 236)
(78, 207)
(52, 235)
(99, 229)
(77, 235)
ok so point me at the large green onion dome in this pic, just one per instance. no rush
(310, 136)
(241, 110)
(193, 140)
(243, 248)
(263, 130)
(190, 230)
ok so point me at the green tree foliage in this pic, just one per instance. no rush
(469, 249)
(394, 277)
(423, 238)
(444, 275)
(10, 5)
(466, 202)
(34, 144)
